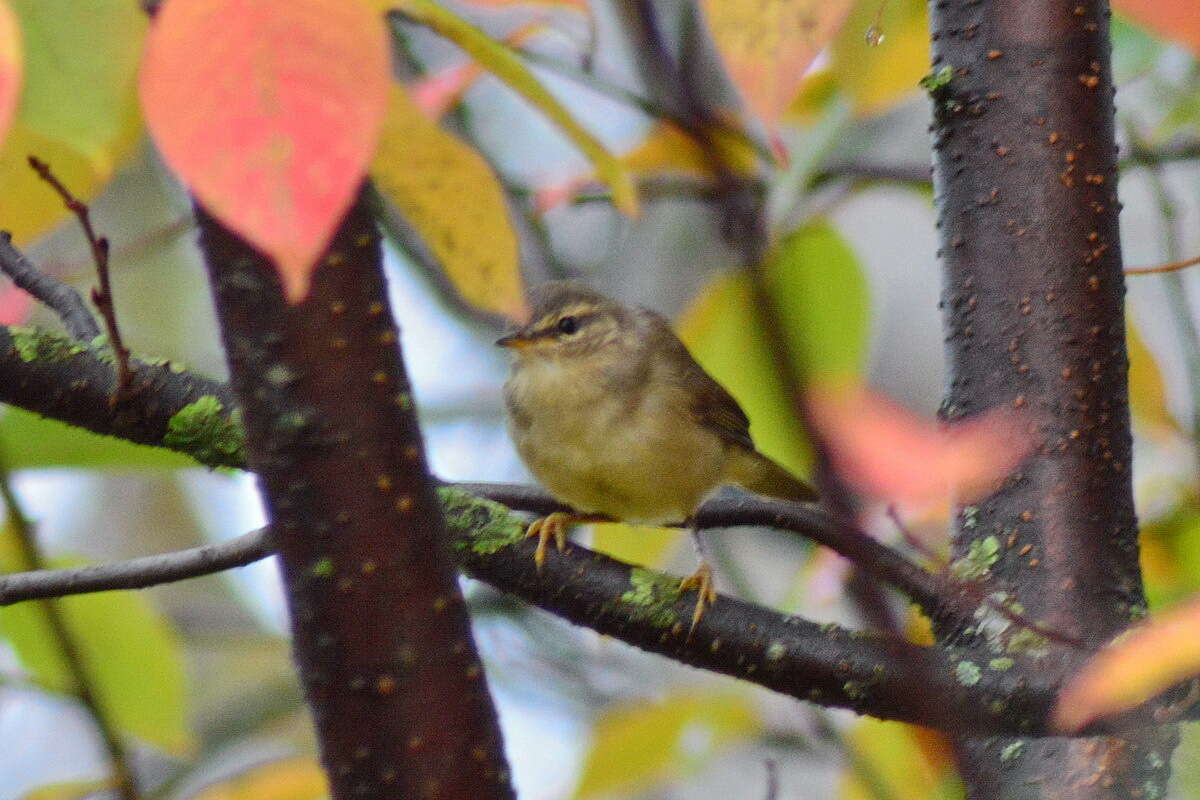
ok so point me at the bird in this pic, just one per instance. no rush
(617, 420)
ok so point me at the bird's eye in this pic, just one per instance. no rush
(568, 325)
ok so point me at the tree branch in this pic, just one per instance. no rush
(60, 298)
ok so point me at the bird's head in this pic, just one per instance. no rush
(568, 320)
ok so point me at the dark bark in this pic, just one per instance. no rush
(380, 633)
(1026, 186)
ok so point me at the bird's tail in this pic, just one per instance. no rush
(755, 472)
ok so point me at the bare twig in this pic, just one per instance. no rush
(76, 664)
(101, 296)
(136, 573)
(1160, 268)
(60, 298)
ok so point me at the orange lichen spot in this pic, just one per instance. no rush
(339, 343)
(380, 377)
(387, 337)
(1024, 551)
(1093, 236)
(337, 307)
(1094, 178)
(375, 309)
(1054, 137)
(1019, 401)
(404, 504)
(994, 54)
(1002, 151)
(1093, 282)
(1090, 81)
(1066, 372)
(383, 483)
(335, 259)
(1026, 515)
(385, 684)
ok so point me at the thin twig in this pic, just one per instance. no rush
(101, 296)
(772, 779)
(81, 675)
(135, 573)
(60, 298)
(1160, 268)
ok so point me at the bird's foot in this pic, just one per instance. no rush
(555, 526)
(702, 581)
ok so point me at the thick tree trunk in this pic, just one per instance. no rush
(380, 632)
(1033, 300)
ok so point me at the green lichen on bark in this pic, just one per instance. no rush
(978, 560)
(35, 344)
(652, 598)
(481, 526)
(207, 433)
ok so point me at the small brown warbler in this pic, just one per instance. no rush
(615, 418)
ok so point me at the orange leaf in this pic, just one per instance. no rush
(768, 46)
(269, 110)
(1142, 663)
(1173, 19)
(14, 305)
(885, 451)
(11, 66)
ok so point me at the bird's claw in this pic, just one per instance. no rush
(702, 581)
(552, 526)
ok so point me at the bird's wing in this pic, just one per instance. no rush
(712, 406)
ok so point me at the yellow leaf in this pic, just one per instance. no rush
(898, 761)
(768, 46)
(637, 745)
(666, 148)
(636, 544)
(70, 790)
(1142, 663)
(878, 77)
(293, 779)
(1147, 390)
(505, 65)
(78, 109)
(451, 196)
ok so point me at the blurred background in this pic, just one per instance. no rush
(198, 672)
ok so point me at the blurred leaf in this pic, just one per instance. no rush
(580, 5)
(82, 61)
(35, 442)
(428, 173)
(1177, 20)
(69, 790)
(636, 544)
(277, 158)
(1134, 51)
(1185, 766)
(667, 148)
(882, 76)
(292, 779)
(505, 65)
(767, 47)
(638, 745)
(12, 66)
(15, 303)
(889, 453)
(132, 655)
(1171, 555)
(1145, 661)
(1147, 389)
(437, 92)
(899, 762)
(78, 109)
(822, 296)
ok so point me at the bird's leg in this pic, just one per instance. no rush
(555, 526)
(701, 580)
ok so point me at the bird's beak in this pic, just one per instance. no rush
(514, 341)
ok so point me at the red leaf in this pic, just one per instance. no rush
(14, 305)
(1171, 19)
(885, 451)
(11, 66)
(269, 110)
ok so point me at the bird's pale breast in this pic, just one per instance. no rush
(634, 454)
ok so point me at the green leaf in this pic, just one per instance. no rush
(131, 653)
(823, 300)
(78, 109)
(637, 746)
(35, 442)
(504, 64)
(81, 69)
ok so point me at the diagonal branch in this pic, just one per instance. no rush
(60, 298)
